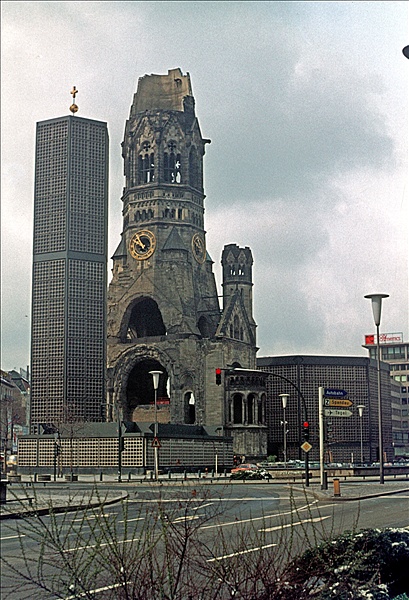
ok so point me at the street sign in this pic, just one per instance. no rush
(335, 412)
(337, 402)
(335, 393)
(306, 446)
(155, 443)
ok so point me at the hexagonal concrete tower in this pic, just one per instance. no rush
(163, 307)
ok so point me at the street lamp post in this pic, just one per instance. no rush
(155, 377)
(376, 300)
(284, 399)
(361, 408)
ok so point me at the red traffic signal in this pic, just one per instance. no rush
(218, 376)
(306, 430)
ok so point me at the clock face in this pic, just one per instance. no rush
(198, 248)
(142, 244)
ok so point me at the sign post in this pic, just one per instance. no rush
(321, 434)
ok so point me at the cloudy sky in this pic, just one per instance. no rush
(306, 104)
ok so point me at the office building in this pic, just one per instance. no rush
(301, 377)
(69, 281)
(395, 352)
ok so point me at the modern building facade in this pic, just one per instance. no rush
(68, 330)
(301, 377)
(163, 305)
(395, 352)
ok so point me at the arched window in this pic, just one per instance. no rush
(145, 320)
(146, 165)
(237, 409)
(172, 165)
(190, 408)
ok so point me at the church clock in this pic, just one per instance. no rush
(142, 244)
(198, 248)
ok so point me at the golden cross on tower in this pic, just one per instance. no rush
(74, 107)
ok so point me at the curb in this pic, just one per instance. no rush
(323, 497)
(62, 509)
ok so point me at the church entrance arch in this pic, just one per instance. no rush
(140, 394)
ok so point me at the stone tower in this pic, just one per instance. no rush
(163, 308)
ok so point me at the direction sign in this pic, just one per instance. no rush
(306, 446)
(337, 402)
(335, 393)
(337, 412)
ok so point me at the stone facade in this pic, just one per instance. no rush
(163, 306)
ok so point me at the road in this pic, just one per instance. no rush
(226, 524)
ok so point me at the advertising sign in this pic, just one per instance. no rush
(384, 338)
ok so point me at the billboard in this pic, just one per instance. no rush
(384, 338)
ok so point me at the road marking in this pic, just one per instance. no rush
(187, 518)
(241, 552)
(96, 591)
(130, 520)
(99, 545)
(315, 520)
(12, 537)
(263, 518)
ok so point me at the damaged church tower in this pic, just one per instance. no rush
(163, 306)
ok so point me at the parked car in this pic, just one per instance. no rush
(249, 471)
(245, 467)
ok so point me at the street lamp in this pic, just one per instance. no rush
(376, 300)
(284, 398)
(361, 408)
(155, 377)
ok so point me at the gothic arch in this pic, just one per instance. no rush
(142, 319)
(131, 385)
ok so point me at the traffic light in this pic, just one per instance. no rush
(306, 431)
(121, 444)
(218, 376)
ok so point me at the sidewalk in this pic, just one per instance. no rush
(352, 490)
(27, 498)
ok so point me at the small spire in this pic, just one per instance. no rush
(74, 107)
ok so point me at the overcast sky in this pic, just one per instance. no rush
(306, 104)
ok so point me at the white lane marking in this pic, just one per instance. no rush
(263, 518)
(12, 537)
(187, 518)
(130, 520)
(98, 545)
(241, 552)
(315, 520)
(96, 591)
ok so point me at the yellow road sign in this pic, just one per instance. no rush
(337, 402)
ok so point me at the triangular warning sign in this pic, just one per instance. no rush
(155, 443)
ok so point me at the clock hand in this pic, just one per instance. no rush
(139, 242)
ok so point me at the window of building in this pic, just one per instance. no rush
(172, 165)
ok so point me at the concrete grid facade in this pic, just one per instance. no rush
(396, 354)
(68, 335)
(304, 375)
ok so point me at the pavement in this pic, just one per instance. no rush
(28, 497)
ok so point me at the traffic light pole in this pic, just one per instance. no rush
(307, 479)
(321, 431)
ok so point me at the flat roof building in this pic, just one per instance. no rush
(395, 352)
(69, 281)
(300, 377)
